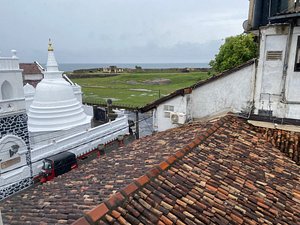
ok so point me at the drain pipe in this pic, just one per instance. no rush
(285, 64)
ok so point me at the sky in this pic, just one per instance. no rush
(119, 31)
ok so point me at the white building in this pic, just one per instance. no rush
(57, 122)
(264, 89)
(231, 91)
(15, 169)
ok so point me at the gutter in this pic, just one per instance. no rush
(285, 16)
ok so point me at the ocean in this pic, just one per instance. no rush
(76, 66)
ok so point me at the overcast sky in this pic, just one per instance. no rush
(119, 31)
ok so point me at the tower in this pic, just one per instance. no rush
(15, 163)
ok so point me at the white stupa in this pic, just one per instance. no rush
(55, 107)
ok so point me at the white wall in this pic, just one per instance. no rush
(88, 110)
(13, 168)
(269, 72)
(293, 79)
(33, 76)
(77, 92)
(19, 169)
(38, 139)
(29, 92)
(270, 80)
(80, 143)
(162, 123)
(10, 72)
(230, 93)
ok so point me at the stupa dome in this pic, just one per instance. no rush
(55, 106)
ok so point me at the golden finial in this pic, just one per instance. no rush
(50, 48)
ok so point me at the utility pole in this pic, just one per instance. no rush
(137, 132)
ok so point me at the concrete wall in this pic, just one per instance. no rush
(161, 122)
(233, 92)
(293, 78)
(274, 93)
(269, 72)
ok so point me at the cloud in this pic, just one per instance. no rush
(118, 30)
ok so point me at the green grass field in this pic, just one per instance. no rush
(132, 89)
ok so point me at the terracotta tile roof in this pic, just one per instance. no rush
(286, 141)
(185, 90)
(228, 175)
(30, 68)
(66, 198)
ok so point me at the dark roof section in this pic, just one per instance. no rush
(30, 68)
(183, 91)
(64, 199)
(228, 175)
(284, 17)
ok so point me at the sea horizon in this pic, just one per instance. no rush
(77, 66)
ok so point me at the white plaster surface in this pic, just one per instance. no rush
(12, 101)
(232, 92)
(81, 142)
(180, 105)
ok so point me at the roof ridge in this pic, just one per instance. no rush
(120, 197)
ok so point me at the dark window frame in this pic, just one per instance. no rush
(297, 58)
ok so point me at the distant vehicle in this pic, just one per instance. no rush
(56, 165)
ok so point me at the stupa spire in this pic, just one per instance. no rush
(51, 62)
(50, 48)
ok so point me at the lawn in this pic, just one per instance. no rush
(135, 89)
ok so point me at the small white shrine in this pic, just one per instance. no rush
(55, 112)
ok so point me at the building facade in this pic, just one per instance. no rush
(15, 158)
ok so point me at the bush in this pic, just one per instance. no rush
(235, 51)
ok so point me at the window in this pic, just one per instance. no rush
(6, 90)
(297, 60)
(167, 110)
